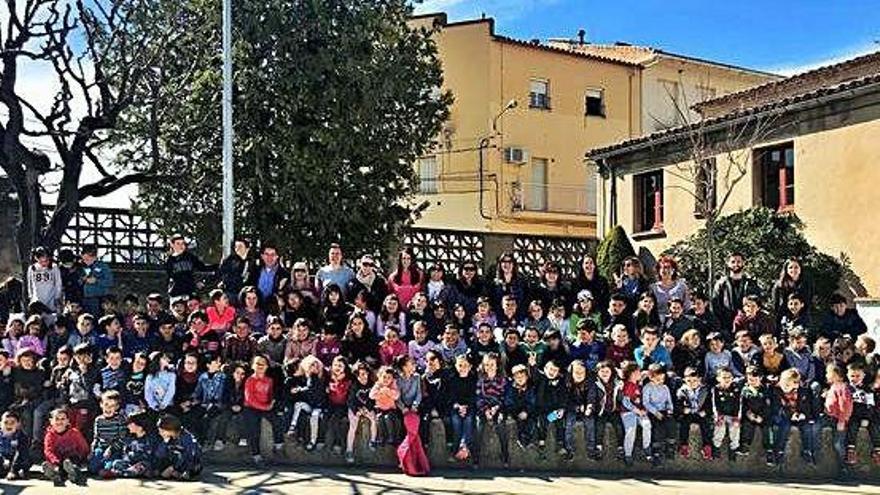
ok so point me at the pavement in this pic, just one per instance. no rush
(330, 481)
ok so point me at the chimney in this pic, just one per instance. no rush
(582, 34)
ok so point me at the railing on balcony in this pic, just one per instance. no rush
(530, 196)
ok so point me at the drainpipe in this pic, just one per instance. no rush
(484, 143)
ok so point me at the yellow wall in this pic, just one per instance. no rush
(483, 74)
(658, 111)
(836, 175)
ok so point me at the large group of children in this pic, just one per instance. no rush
(90, 384)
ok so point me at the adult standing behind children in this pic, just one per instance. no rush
(181, 266)
(334, 272)
(727, 298)
(271, 278)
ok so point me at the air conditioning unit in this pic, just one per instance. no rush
(518, 156)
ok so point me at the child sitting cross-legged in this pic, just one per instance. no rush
(137, 457)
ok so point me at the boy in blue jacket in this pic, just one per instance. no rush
(209, 397)
(15, 458)
(137, 458)
(179, 455)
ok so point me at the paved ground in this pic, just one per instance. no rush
(325, 481)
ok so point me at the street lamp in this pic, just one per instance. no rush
(228, 190)
(484, 143)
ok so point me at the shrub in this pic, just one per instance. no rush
(767, 239)
(612, 250)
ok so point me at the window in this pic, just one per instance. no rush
(539, 94)
(536, 189)
(648, 207)
(594, 102)
(776, 169)
(706, 92)
(428, 174)
(705, 188)
(671, 96)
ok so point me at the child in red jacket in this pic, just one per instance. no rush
(65, 450)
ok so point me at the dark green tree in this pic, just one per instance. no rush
(767, 239)
(94, 57)
(334, 100)
(612, 251)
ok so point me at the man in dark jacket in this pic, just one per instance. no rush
(237, 269)
(271, 277)
(730, 289)
(842, 320)
(181, 266)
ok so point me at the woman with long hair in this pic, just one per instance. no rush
(250, 306)
(407, 279)
(589, 278)
(508, 281)
(792, 279)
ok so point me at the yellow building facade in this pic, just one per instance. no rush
(818, 159)
(531, 111)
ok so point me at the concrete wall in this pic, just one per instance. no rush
(752, 466)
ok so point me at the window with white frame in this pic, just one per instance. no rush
(594, 102)
(539, 94)
(428, 174)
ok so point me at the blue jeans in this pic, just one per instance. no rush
(782, 424)
(97, 461)
(462, 429)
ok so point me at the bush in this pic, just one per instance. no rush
(612, 251)
(767, 239)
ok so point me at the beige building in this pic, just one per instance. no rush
(670, 83)
(816, 156)
(510, 159)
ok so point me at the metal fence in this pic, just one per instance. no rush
(121, 236)
(534, 196)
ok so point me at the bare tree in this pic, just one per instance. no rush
(99, 64)
(717, 156)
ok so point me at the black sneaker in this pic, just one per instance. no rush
(771, 459)
(567, 456)
(73, 472)
(52, 473)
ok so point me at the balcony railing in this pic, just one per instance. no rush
(529, 196)
(539, 100)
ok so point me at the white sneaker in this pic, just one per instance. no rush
(242, 442)
(219, 445)
(258, 460)
(278, 447)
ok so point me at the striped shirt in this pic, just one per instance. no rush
(110, 432)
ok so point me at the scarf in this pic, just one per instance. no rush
(366, 280)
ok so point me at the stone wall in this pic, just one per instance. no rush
(752, 466)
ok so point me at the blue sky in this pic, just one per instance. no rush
(779, 35)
